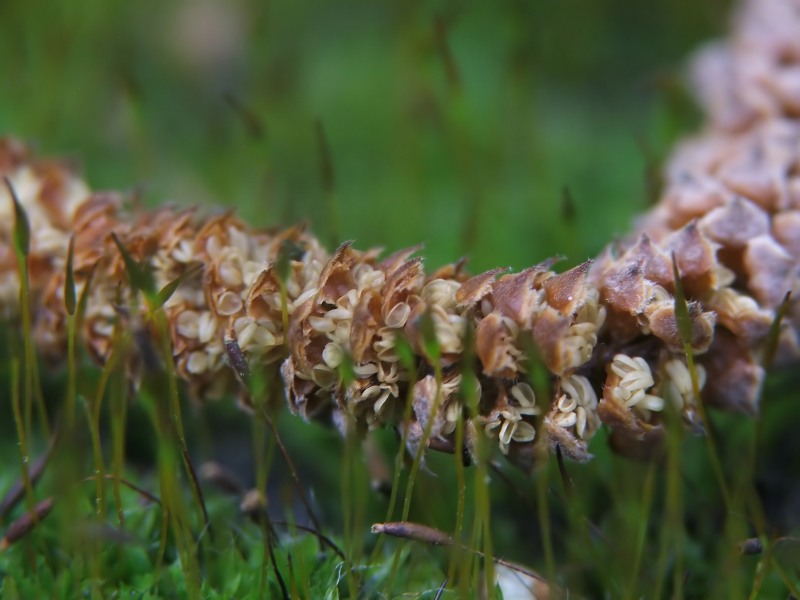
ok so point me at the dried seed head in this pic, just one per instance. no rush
(663, 323)
(354, 335)
(514, 296)
(473, 290)
(568, 291)
(495, 345)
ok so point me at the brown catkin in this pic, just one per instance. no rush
(606, 330)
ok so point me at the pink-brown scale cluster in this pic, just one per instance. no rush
(730, 215)
(361, 341)
(349, 307)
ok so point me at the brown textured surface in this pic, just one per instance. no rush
(605, 330)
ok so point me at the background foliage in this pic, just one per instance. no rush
(436, 113)
(457, 124)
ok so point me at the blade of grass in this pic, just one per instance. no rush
(407, 359)
(648, 488)
(684, 323)
(32, 388)
(433, 352)
(22, 438)
(467, 397)
(672, 530)
(70, 304)
(773, 337)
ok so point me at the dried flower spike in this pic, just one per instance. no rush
(355, 337)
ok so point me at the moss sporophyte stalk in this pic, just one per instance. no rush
(354, 337)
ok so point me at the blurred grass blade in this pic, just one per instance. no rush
(165, 293)
(70, 302)
(346, 370)
(682, 317)
(251, 121)
(140, 275)
(287, 252)
(145, 495)
(83, 300)
(566, 480)
(568, 209)
(431, 348)
(774, 335)
(684, 323)
(22, 227)
(405, 353)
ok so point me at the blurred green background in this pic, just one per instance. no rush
(457, 124)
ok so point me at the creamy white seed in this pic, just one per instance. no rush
(103, 328)
(333, 355)
(566, 403)
(323, 376)
(321, 324)
(524, 395)
(213, 246)
(304, 297)
(385, 346)
(206, 327)
(381, 401)
(579, 388)
(263, 338)
(651, 402)
(441, 292)
(368, 278)
(678, 384)
(230, 274)
(398, 316)
(197, 363)
(245, 336)
(523, 432)
(339, 314)
(188, 324)
(365, 370)
(341, 334)
(565, 420)
(370, 392)
(183, 252)
(238, 240)
(229, 303)
(580, 421)
(293, 288)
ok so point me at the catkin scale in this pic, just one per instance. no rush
(606, 330)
